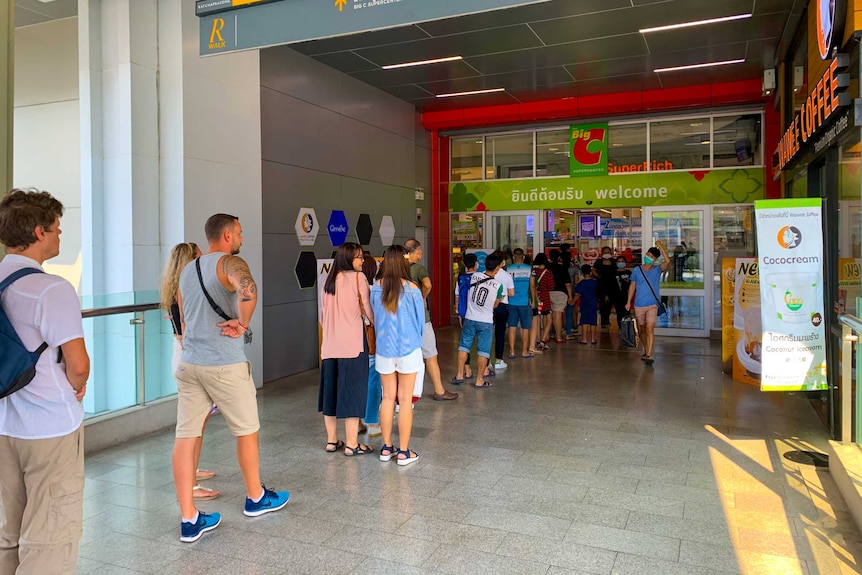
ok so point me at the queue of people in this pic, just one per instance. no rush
(377, 342)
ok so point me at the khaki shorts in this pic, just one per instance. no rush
(559, 300)
(429, 342)
(646, 315)
(228, 386)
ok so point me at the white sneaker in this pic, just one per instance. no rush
(500, 364)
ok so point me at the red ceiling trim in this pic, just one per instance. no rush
(622, 103)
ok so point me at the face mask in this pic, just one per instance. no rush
(621, 265)
(606, 256)
(648, 260)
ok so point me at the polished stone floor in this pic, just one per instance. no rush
(579, 461)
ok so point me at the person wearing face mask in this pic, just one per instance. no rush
(624, 280)
(644, 295)
(609, 289)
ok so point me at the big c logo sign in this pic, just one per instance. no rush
(588, 150)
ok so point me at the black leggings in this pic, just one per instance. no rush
(501, 324)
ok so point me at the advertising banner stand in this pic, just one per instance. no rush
(790, 245)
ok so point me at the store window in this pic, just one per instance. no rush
(552, 153)
(509, 156)
(466, 159)
(736, 141)
(467, 233)
(586, 232)
(627, 148)
(680, 144)
(733, 236)
(849, 229)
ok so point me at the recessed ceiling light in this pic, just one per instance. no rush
(471, 92)
(421, 62)
(695, 23)
(704, 65)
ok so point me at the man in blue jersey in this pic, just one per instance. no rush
(520, 312)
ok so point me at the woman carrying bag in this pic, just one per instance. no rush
(345, 311)
(644, 293)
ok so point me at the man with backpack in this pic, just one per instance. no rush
(484, 294)
(41, 423)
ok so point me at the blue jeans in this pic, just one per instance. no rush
(375, 394)
(476, 329)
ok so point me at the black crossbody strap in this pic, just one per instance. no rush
(213, 304)
(657, 301)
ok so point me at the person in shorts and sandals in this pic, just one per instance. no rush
(644, 296)
(586, 292)
(484, 295)
(399, 313)
(541, 285)
(561, 295)
(182, 254)
(520, 312)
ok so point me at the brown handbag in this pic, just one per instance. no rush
(370, 334)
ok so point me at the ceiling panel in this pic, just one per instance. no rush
(561, 54)
(24, 17)
(631, 19)
(523, 80)
(347, 62)
(530, 13)
(50, 10)
(417, 74)
(364, 40)
(468, 44)
(756, 28)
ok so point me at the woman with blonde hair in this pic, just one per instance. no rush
(181, 255)
(400, 313)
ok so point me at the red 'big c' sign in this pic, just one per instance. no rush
(588, 147)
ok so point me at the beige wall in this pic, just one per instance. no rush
(46, 141)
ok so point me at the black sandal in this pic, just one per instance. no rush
(336, 445)
(358, 450)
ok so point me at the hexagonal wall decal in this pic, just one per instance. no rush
(306, 270)
(307, 226)
(337, 228)
(387, 231)
(364, 229)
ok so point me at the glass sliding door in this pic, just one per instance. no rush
(685, 291)
(510, 230)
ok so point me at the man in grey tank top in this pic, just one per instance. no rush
(217, 297)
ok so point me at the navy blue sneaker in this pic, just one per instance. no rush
(271, 501)
(193, 531)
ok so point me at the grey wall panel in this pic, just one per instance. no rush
(370, 153)
(291, 336)
(293, 74)
(298, 133)
(328, 143)
(368, 104)
(289, 188)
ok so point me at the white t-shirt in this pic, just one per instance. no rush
(41, 307)
(480, 300)
(505, 278)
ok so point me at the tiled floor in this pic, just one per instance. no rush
(579, 461)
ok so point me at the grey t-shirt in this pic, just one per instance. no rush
(203, 341)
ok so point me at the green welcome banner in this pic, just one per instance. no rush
(733, 186)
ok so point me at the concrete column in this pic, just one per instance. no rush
(7, 93)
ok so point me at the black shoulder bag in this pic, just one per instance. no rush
(216, 308)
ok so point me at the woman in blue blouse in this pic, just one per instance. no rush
(399, 315)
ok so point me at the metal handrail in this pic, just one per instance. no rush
(138, 322)
(849, 325)
(119, 309)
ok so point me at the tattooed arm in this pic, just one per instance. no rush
(239, 277)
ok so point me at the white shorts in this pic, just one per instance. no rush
(429, 342)
(410, 363)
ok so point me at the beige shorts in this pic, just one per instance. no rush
(559, 299)
(229, 386)
(646, 315)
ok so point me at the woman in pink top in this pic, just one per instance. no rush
(344, 369)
